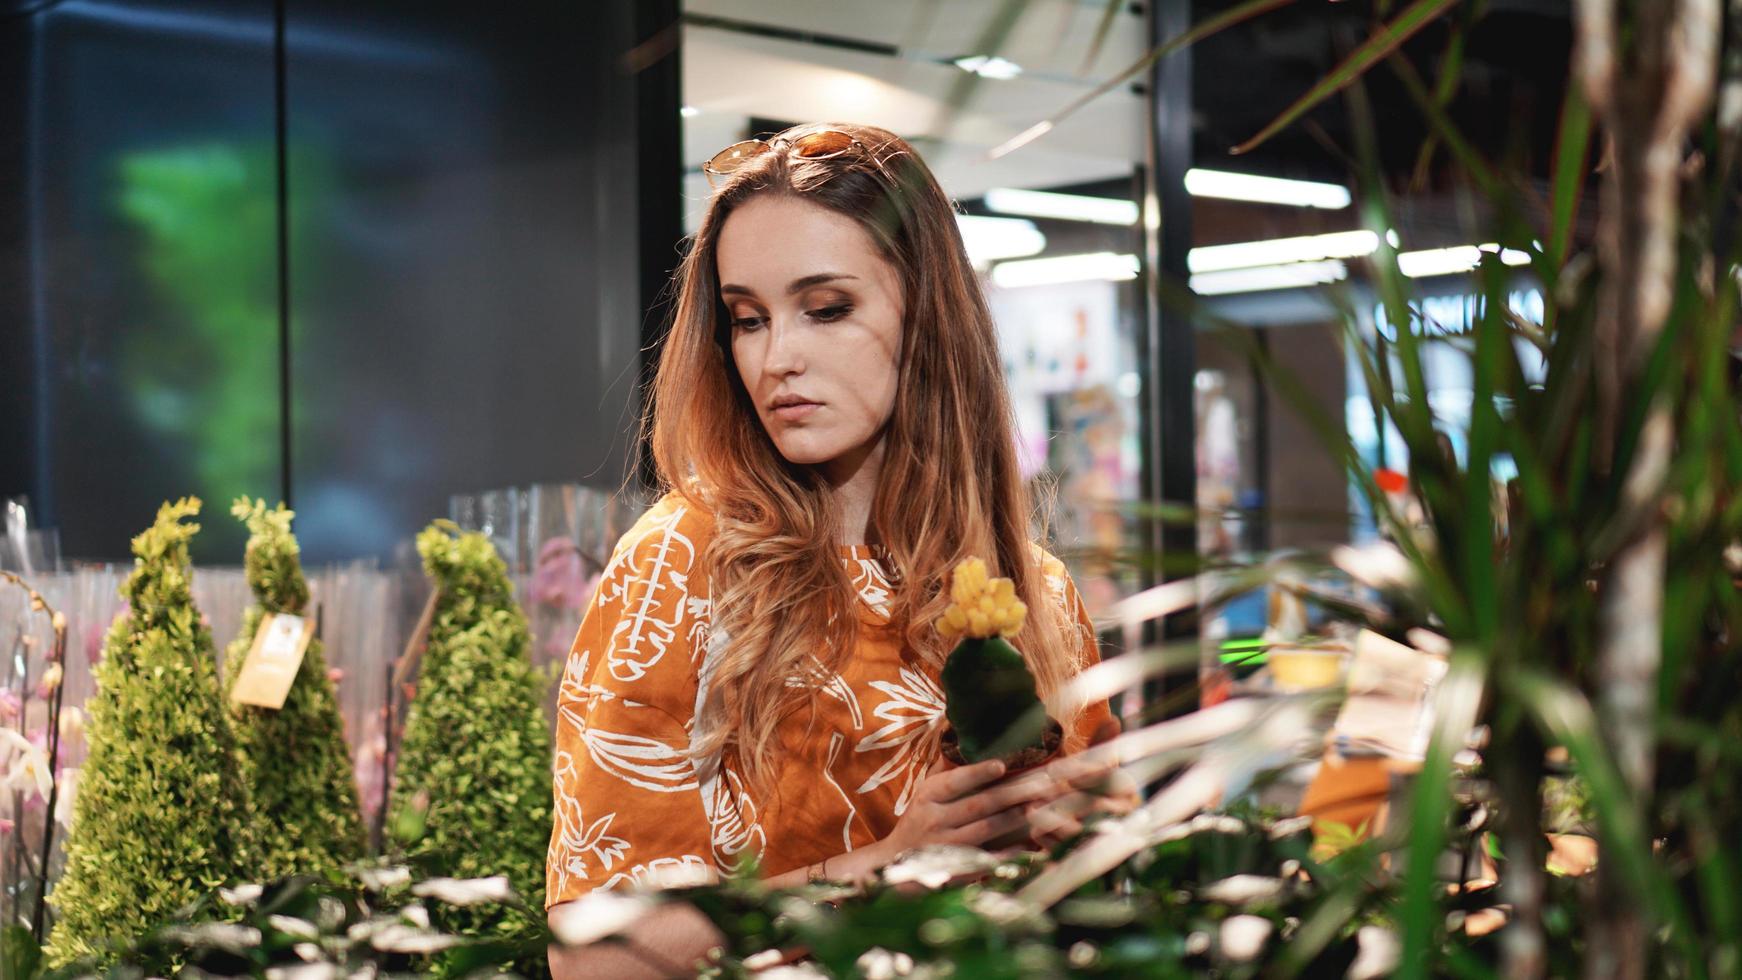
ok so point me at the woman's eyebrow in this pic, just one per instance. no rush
(797, 285)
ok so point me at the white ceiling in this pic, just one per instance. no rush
(730, 76)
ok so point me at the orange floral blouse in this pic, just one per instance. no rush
(630, 806)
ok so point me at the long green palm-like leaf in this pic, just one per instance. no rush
(1571, 149)
(1440, 125)
(1109, 17)
(1451, 73)
(993, 37)
(1220, 22)
(1568, 715)
(1459, 696)
(1383, 41)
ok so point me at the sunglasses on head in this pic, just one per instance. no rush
(819, 145)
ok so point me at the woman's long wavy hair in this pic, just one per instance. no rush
(950, 486)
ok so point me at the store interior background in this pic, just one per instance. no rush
(395, 261)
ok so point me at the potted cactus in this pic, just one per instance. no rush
(991, 706)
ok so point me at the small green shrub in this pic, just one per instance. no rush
(477, 744)
(160, 817)
(305, 795)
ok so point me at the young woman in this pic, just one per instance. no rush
(757, 675)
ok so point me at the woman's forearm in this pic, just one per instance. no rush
(671, 938)
(666, 942)
(855, 866)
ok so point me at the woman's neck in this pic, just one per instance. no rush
(853, 479)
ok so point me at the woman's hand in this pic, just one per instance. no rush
(1093, 783)
(966, 805)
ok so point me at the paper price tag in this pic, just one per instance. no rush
(273, 661)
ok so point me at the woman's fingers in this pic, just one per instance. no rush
(1052, 827)
(1084, 769)
(1121, 793)
(1024, 788)
(951, 785)
(988, 827)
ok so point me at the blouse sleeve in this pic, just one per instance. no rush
(1097, 713)
(627, 803)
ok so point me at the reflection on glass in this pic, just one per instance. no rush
(1068, 360)
(209, 230)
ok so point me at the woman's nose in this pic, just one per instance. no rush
(785, 348)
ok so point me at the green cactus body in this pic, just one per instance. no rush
(160, 818)
(308, 820)
(991, 701)
(477, 742)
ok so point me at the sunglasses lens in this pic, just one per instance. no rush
(823, 144)
(733, 157)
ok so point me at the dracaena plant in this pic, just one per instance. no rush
(1595, 609)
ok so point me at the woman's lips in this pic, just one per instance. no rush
(796, 411)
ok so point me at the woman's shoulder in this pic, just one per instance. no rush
(1056, 576)
(677, 526)
(650, 610)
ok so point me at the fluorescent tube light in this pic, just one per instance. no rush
(1111, 266)
(1276, 251)
(1453, 260)
(1266, 190)
(990, 66)
(1068, 207)
(990, 239)
(1291, 276)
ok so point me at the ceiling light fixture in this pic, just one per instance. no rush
(1266, 190)
(991, 239)
(1291, 276)
(1453, 260)
(1064, 207)
(1109, 266)
(1277, 251)
(989, 66)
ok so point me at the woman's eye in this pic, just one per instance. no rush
(746, 322)
(831, 313)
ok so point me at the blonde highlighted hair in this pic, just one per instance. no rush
(950, 486)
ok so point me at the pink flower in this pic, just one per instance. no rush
(10, 705)
(96, 632)
(369, 765)
(561, 577)
(6, 826)
(335, 674)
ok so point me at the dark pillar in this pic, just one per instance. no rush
(1169, 437)
(659, 137)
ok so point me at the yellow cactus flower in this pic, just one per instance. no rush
(981, 606)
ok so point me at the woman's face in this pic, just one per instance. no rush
(815, 313)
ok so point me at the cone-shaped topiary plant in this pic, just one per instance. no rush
(990, 698)
(160, 818)
(477, 744)
(305, 794)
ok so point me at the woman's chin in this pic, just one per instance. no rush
(820, 449)
(807, 453)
